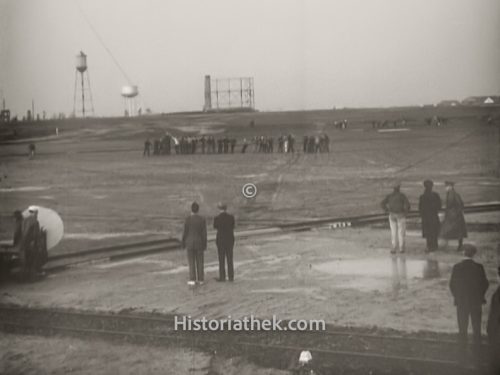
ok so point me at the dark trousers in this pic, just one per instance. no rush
(225, 251)
(494, 353)
(432, 242)
(195, 261)
(463, 314)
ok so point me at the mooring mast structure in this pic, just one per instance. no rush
(229, 94)
(80, 89)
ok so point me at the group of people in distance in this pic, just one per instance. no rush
(397, 205)
(468, 283)
(194, 240)
(285, 143)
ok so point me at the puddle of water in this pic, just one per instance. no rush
(23, 189)
(380, 273)
(393, 130)
(252, 175)
(373, 267)
(286, 290)
(201, 128)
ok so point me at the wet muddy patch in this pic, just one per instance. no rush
(381, 274)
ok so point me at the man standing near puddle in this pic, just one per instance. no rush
(224, 224)
(194, 240)
(429, 205)
(453, 227)
(468, 285)
(493, 329)
(398, 206)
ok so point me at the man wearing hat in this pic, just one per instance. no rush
(194, 240)
(453, 227)
(468, 285)
(398, 206)
(224, 224)
(28, 245)
(429, 205)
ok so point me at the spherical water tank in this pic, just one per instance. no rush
(81, 62)
(130, 91)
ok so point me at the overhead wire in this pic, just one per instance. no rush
(100, 39)
(439, 151)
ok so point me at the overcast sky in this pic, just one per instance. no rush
(303, 54)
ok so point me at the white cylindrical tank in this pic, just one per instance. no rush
(130, 91)
(81, 62)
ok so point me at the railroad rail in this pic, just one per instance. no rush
(60, 262)
(332, 348)
(110, 253)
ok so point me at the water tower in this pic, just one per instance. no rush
(129, 93)
(82, 96)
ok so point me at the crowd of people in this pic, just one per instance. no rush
(285, 143)
(453, 227)
(468, 283)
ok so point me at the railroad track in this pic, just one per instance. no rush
(331, 349)
(111, 253)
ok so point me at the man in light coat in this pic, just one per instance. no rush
(453, 227)
(398, 206)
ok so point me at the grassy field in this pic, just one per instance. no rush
(94, 174)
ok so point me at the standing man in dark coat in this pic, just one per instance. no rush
(203, 142)
(29, 243)
(468, 285)
(219, 145)
(453, 227)
(194, 240)
(429, 205)
(32, 149)
(18, 228)
(224, 224)
(493, 330)
(147, 148)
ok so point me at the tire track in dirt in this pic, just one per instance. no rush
(286, 168)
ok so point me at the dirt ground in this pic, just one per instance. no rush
(61, 355)
(345, 277)
(94, 175)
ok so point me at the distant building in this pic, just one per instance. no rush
(482, 100)
(4, 116)
(448, 103)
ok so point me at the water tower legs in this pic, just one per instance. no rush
(80, 92)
